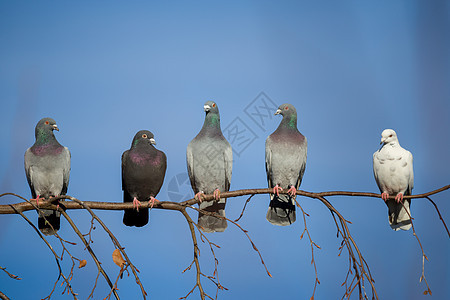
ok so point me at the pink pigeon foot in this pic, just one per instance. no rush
(199, 196)
(384, 196)
(292, 191)
(216, 194)
(136, 204)
(37, 200)
(399, 197)
(152, 200)
(277, 189)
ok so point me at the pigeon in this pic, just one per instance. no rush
(286, 150)
(393, 171)
(47, 167)
(209, 161)
(143, 170)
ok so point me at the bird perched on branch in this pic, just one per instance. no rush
(209, 161)
(143, 170)
(286, 150)
(47, 167)
(393, 171)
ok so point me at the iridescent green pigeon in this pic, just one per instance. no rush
(143, 170)
(286, 151)
(209, 161)
(47, 166)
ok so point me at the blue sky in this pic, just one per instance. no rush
(104, 71)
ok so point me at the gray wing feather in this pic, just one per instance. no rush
(28, 171)
(66, 169)
(228, 156)
(302, 157)
(269, 162)
(190, 167)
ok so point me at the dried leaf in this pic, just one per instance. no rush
(117, 258)
(82, 263)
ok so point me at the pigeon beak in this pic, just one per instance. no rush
(383, 140)
(152, 141)
(207, 107)
(55, 127)
(277, 112)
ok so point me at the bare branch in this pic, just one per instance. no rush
(439, 213)
(47, 204)
(88, 247)
(358, 270)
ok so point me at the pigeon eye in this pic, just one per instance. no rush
(144, 136)
(390, 135)
(286, 108)
(47, 122)
(213, 105)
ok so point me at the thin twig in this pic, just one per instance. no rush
(439, 213)
(312, 244)
(196, 251)
(422, 277)
(88, 247)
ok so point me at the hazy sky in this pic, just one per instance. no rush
(106, 70)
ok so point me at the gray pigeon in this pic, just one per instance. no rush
(286, 151)
(143, 170)
(209, 161)
(393, 171)
(47, 166)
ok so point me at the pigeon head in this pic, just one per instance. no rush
(289, 114)
(388, 136)
(212, 118)
(143, 137)
(286, 110)
(44, 129)
(211, 107)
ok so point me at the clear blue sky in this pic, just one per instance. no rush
(104, 70)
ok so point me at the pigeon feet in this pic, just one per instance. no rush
(199, 196)
(292, 191)
(136, 204)
(277, 189)
(37, 200)
(399, 197)
(384, 196)
(216, 194)
(152, 200)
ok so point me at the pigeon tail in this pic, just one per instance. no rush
(52, 217)
(210, 223)
(281, 210)
(131, 217)
(399, 215)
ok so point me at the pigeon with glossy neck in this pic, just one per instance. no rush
(47, 167)
(209, 161)
(286, 150)
(143, 170)
(393, 171)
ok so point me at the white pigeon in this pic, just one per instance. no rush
(393, 170)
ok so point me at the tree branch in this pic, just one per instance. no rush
(356, 259)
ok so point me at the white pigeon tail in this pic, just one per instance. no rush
(393, 171)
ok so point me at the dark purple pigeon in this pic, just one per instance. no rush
(47, 166)
(143, 170)
(285, 164)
